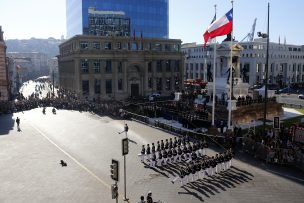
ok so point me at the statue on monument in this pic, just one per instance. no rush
(209, 73)
(244, 72)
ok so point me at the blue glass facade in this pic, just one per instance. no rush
(149, 17)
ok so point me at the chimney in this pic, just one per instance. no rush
(1, 34)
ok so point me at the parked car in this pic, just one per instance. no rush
(301, 96)
(154, 96)
(286, 90)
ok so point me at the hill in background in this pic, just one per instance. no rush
(48, 46)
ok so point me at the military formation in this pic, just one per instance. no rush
(190, 158)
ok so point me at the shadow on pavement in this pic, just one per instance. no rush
(210, 186)
(6, 124)
(205, 188)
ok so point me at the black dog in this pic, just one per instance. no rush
(63, 163)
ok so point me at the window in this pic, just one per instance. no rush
(159, 85)
(168, 66)
(108, 66)
(157, 47)
(96, 66)
(96, 45)
(97, 86)
(134, 46)
(159, 66)
(119, 68)
(167, 47)
(109, 86)
(168, 84)
(108, 45)
(150, 83)
(271, 67)
(150, 67)
(120, 84)
(257, 68)
(84, 66)
(85, 87)
(176, 67)
(83, 45)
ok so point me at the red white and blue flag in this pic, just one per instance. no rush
(220, 27)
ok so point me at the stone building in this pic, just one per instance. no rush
(286, 62)
(120, 67)
(4, 84)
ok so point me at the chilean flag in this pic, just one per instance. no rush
(220, 27)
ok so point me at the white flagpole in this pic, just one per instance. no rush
(205, 65)
(214, 68)
(230, 79)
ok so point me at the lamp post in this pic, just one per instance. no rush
(265, 35)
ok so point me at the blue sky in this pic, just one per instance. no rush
(23, 19)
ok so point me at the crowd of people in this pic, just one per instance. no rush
(65, 100)
(248, 100)
(274, 147)
(190, 158)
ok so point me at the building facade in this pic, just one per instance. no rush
(39, 62)
(286, 62)
(148, 17)
(4, 83)
(120, 67)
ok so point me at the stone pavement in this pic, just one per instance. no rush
(30, 170)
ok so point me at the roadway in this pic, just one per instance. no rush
(30, 169)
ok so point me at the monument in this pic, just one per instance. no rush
(222, 74)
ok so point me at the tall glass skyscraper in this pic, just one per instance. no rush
(149, 18)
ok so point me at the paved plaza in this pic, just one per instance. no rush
(30, 169)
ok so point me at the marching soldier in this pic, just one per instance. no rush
(165, 155)
(203, 169)
(170, 144)
(162, 145)
(148, 151)
(175, 143)
(205, 148)
(142, 154)
(153, 160)
(179, 153)
(158, 147)
(160, 159)
(169, 155)
(179, 142)
(167, 145)
(174, 153)
(153, 148)
(197, 168)
(217, 161)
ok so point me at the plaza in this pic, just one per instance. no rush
(31, 170)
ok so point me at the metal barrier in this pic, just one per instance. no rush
(217, 140)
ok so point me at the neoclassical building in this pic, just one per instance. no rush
(286, 62)
(99, 67)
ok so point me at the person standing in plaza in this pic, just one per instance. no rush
(18, 123)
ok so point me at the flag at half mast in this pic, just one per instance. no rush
(220, 27)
